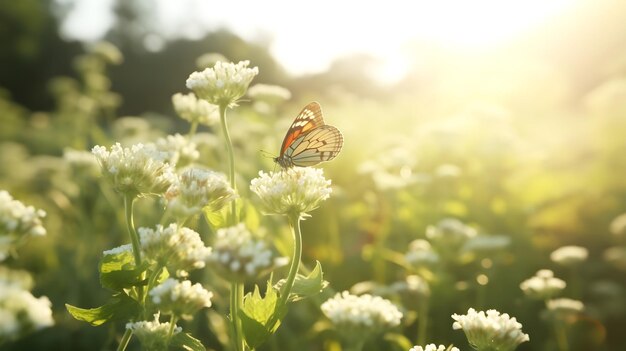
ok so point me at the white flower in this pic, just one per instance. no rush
(135, 171)
(359, 316)
(153, 335)
(487, 243)
(565, 306)
(15, 278)
(421, 254)
(450, 231)
(209, 59)
(433, 347)
(180, 298)
(21, 312)
(196, 189)
(491, 330)
(240, 256)
(618, 225)
(189, 108)
(119, 250)
(569, 255)
(272, 94)
(17, 221)
(179, 249)
(294, 191)
(543, 285)
(224, 83)
(81, 161)
(109, 52)
(616, 255)
(180, 150)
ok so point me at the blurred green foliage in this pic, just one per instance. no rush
(523, 144)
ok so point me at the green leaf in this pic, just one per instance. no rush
(119, 307)
(400, 340)
(217, 219)
(118, 271)
(187, 342)
(250, 216)
(304, 287)
(256, 313)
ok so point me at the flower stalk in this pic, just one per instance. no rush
(231, 161)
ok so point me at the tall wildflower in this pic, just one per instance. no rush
(17, 221)
(543, 285)
(490, 331)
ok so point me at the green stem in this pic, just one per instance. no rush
(231, 162)
(236, 297)
(193, 129)
(125, 339)
(172, 326)
(561, 336)
(294, 223)
(129, 200)
(422, 320)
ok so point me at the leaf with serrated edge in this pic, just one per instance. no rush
(119, 307)
(187, 342)
(255, 313)
(304, 287)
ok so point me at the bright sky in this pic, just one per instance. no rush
(307, 36)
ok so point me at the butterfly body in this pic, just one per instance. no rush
(309, 141)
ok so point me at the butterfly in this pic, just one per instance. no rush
(309, 141)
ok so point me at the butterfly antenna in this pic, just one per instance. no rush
(266, 154)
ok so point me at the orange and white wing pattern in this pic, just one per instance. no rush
(309, 141)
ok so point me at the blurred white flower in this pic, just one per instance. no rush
(239, 256)
(180, 299)
(209, 59)
(118, 250)
(487, 243)
(224, 83)
(433, 347)
(361, 316)
(491, 330)
(17, 221)
(21, 312)
(569, 255)
(293, 191)
(81, 161)
(109, 52)
(180, 150)
(153, 335)
(543, 285)
(421, 254)
(271, 94)
(196, 189)
(565, 306)
(135, 171)
(189, 108)
(618, 226)
(450, 234)
(616, 255)
(179, 249)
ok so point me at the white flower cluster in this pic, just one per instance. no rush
(16, 222)
(569, 255)
(20, 311)
(224, 83)
(197, 188)
(153, 335)
(240, 256)
(433, 347)
(421, 254)
(135, 171)
(271, 94)
(180, 150)
(209, 59)
(543, 285)
(361, 314)
(450, 232)
(180, 299)
(294, 191)
(179, 249)
(81, 161)
(189, 108)
(491, 330)
(118, 250)
(564, 305)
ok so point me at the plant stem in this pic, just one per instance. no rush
(129, 200)
(294, 223)
(561, 336)
(125, 339)
(236, 297)
(193, 129)
(172, 326)
(422, 321)
(231, 162)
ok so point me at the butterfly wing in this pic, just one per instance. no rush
(319, 145)
(308, 119)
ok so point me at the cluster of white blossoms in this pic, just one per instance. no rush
(153, 335)
(543, 285)
(135, 171)
(196, 189)
(565, 306)
(569, 255)
(360, 315)
(224, 83)
(491, 330)
(180, 298)
(239, 256)
(271, 94)
(16, 222)
(450, 232)
(179, 249)
(294, 191)
(180, 150)
(189, 108)
(421, 254)
(81, 161)
(433, 347)
(20, 311)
